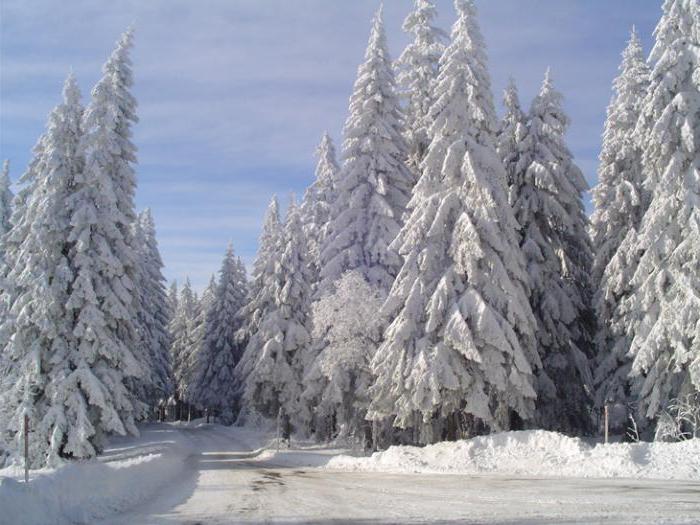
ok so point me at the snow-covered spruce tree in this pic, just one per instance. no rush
(214, 385)
(154, 311)
(275, 380)
(618, 211)
(548, 204)
(182, 333)
(261, 295)
(663, 310)
(417, 69)
(509, 140)
(459, 353)
(318, 199)
(104, 264)
(374, 182)
(337, 383)
(6, 197)
(38, 333)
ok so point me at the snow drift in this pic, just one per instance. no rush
(536, 453)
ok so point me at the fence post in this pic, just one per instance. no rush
(26, 448)
(606, 423)
(279, 418)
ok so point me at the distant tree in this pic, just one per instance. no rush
(318, 199)
(214, 384)
(274, 380)
(154, 310)
(184, 342)
(510, 137)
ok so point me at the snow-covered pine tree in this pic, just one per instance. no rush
(318, 199)
(416, 70)
(275, 380)
(154, 312)
(337, 384)
(38, 333)
(6, 197)
(104, 264)
(618, 199)
(548, 203)
(662, 313)
(183, 338)
(459, 353)
(214, 384)
(510, 136)
(261, 292)
(374, 182)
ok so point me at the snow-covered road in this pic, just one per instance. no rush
(226, 482)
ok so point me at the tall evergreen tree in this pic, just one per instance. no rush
(262, 292)
(619, 206)
(154, 311)
(510, 137)
(102, 294)
(6, 197)
(458, 354)
(38, 334)
(549, 207)
(184, 341)
(214, 384)
(417, 69)
(662, 313)
(274, 382)
(374, 183)
(318, 199)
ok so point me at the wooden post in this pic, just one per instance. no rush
(279, 418)
(606, 423)
(26, 448)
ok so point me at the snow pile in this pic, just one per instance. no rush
(536, 453)
(83, 492)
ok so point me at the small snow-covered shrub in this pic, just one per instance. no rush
(681, 419)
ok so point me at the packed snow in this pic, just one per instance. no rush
(537, 453)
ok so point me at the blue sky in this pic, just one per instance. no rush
(235, 94)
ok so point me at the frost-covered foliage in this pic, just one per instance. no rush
(337, 383)
(214, 384)
(318, 199)
(261, 291)
(417, 69)
(458, 353)
(37, 334)
(511, 135)
(154, 312)
(104, 265)
(680, 421)
(548, 203)
(184, 340)
(273, 373)
(619, 205)
(6, 197)
(374, 182)
(663, 310)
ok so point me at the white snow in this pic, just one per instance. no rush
(536, 453)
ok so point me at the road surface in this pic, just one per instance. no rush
(225, 482)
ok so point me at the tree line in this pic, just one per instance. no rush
(440, 280)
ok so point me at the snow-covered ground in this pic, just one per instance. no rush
(537, 453)
(211, 474)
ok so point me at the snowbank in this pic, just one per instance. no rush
(536, 453)
(85, 491)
